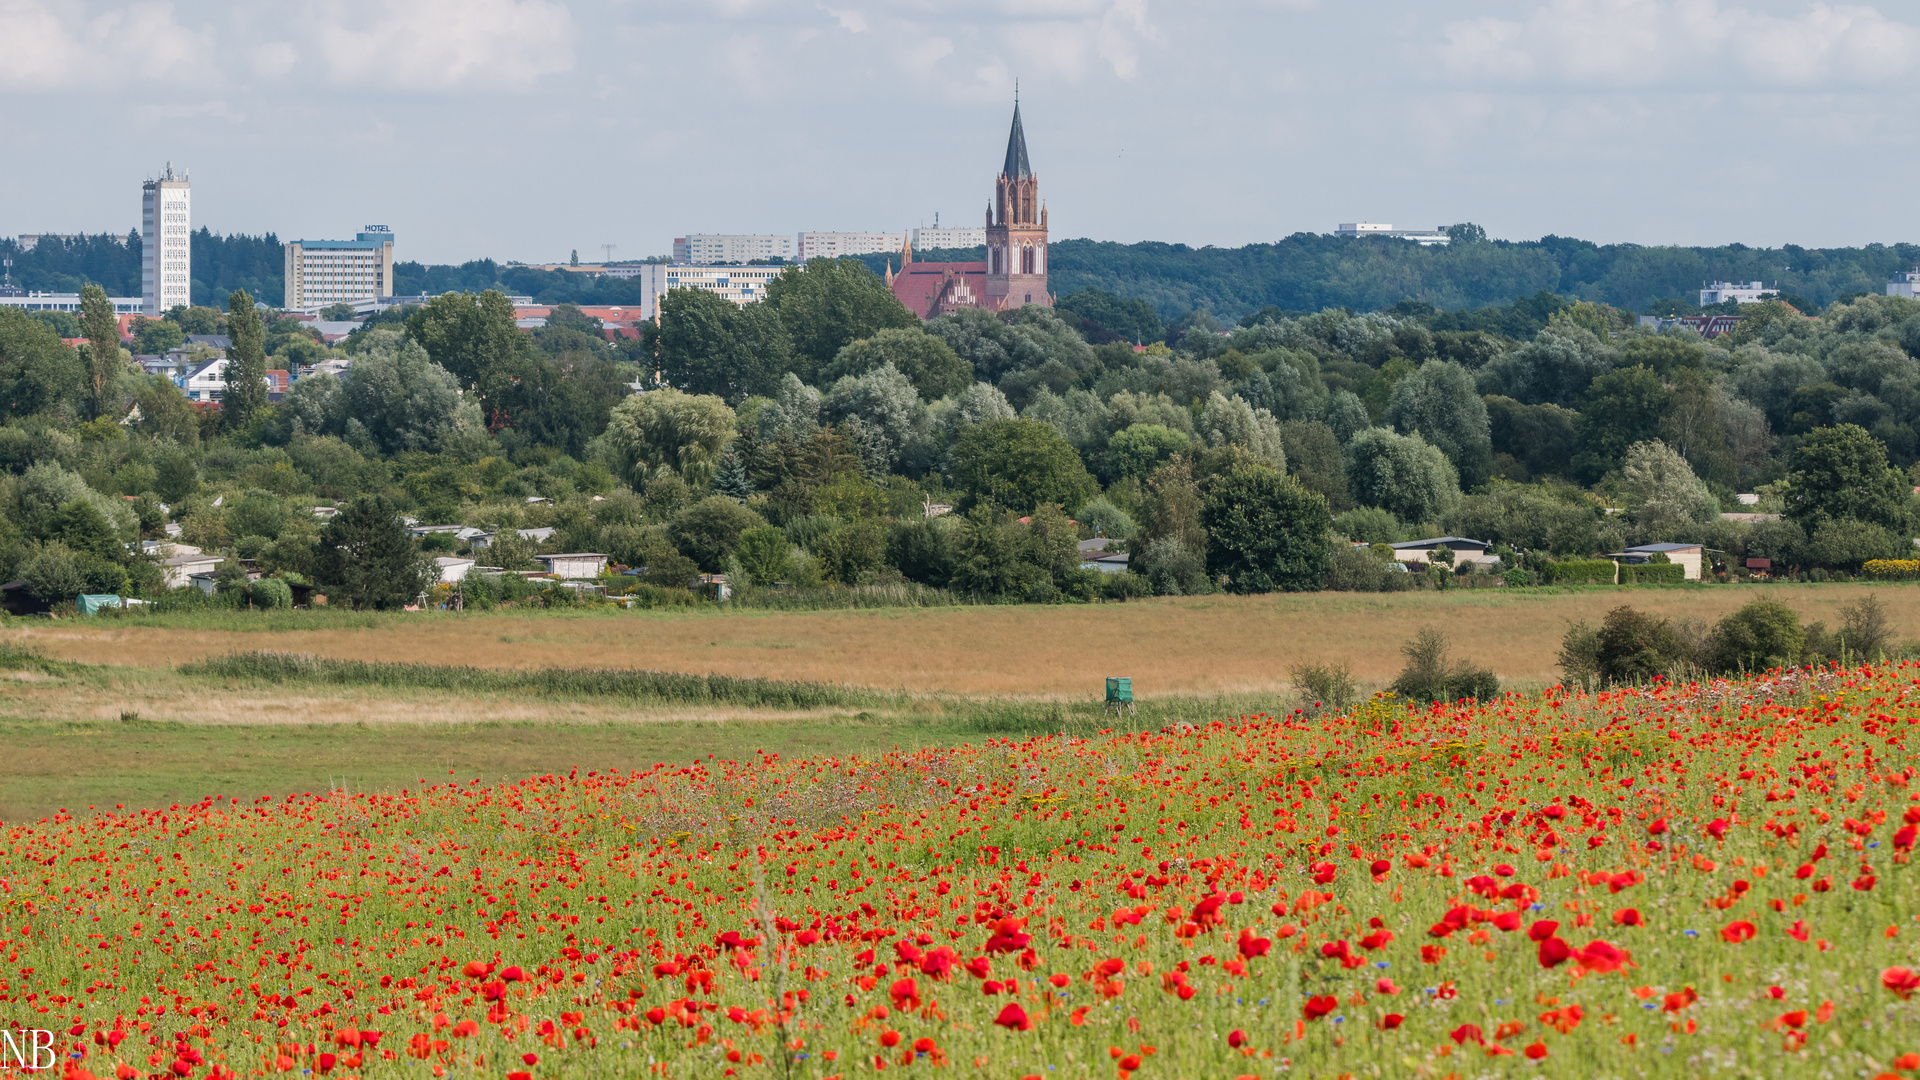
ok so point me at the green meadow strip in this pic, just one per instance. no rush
(652, 686)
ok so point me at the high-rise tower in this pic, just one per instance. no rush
(166, 237)
(1016, 230)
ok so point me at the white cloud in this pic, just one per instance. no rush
(850, 20)
(442, 44)
(1646, 43)
(274, 58)
(50, 44)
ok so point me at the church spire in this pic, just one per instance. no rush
(1017, 167)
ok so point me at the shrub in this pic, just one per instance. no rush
(1763, 634)
(1430, 676)
(1652, 574)
(1579, 572)
(1175, 569)
(1864, 630)
(1126, 585)
(1518, 577)
(270, 593)
(1355, 569)
(1324, 686)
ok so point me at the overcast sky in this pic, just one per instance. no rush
(522, 129)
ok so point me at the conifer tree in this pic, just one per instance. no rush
(246, 374)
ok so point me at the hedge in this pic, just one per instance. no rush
(1892, 569)
(1579, 572)
(1652, 574)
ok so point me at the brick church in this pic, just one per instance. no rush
(1015, 272)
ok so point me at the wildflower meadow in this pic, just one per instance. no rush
(1675, 880)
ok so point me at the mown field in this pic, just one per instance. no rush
(1169, 646)
(1674, 882)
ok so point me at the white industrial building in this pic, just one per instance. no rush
(166, 238)
(69, 302)
(710, 248)
(1905, 284)
(323, 272)
(1423, 237)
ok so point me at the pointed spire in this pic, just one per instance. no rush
(906, 251)
(890, 272)
(1017, 167)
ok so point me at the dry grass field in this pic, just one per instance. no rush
(1179, 646)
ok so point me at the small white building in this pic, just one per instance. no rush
(1905, 284)
(452, 569)
(1743, 292)
(1689, 556)
(178, 570)
(576, 566)
(1464, 550)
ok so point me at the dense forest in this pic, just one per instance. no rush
(826, 443)
(1301, 274)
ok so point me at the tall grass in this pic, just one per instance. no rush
(649, 686)
(901, 594)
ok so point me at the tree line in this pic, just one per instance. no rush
(827, 438)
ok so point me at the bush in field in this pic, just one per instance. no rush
(707, 531)
(1761, 635)
(1327, 686)
(1352, 569)
(1431, 675)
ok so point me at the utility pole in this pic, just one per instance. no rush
(609, 249)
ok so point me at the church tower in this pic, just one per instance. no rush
(1016, 231)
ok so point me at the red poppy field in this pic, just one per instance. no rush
(1671, 882)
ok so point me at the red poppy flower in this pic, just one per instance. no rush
(1737, 931)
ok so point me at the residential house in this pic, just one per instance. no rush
(536, 536)
(178, 570)
(452, 569)
(206, 381)
(1464, 550)
(462, 533)
(1095, 554)
(578, 565)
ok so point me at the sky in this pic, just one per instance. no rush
(527, 129)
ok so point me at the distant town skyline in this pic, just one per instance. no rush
(540, 127)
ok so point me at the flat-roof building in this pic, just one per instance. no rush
(833, 245)
(1747, 292)
(1423, 237)
(324, 272)
(709, 248)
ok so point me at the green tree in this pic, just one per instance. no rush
(1841, 472)
(935, 370)
(155, 336)
(1266, 531)
(828, 304)
(764, 555)
(246, 373)
(1019, 464)
(1402, 474)
(197, 320)
(1140, 448)
(1107, 317)
(1623, 407)
(405, 401)
(366, 559)
(103, 348)
(475, 337)
(708, 531)
(666, 429)
(922, 549)
(710, 345)
(341, 312)
(39, 373)
(1440, 403)
(53, 574)
(1666, 501)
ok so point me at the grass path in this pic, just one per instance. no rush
(1179, 646)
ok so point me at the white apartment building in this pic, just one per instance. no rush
(323, 272)
(832, 245)
(1423, 237)
(710, 248)
(166, 255)
(1746, 292)
(937, 237)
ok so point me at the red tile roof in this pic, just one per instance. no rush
(919, 285)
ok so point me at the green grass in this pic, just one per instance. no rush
(639, 686)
